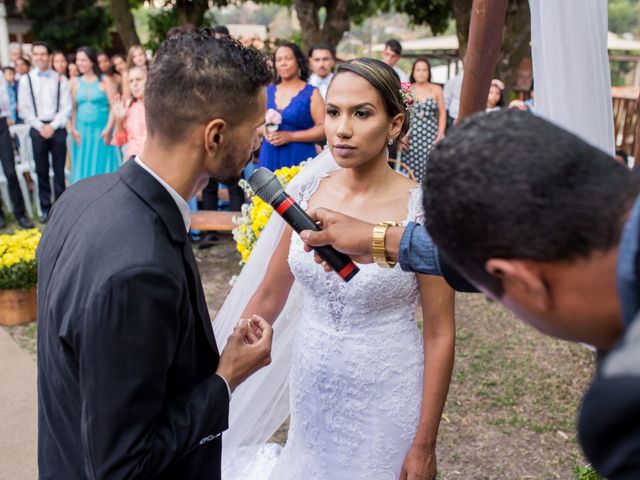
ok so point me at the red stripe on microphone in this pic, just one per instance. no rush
(344, 273)
(285, 205)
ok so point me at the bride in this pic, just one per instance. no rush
(364, 389)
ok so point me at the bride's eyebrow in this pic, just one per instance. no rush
(354, 107)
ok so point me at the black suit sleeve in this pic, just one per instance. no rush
(125, 347)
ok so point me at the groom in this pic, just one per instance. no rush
(130, 381)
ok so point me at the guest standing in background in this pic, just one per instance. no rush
(15, 52)
(12, 91)
(131, 128)
(391, 55)
(92, 95)
(59, 63)
(301, 107)
(8, 161)
(44, 103)
(136, 57)
(23, 66)
(428, 118)
(120, 69)
(495, 100)
(321, 60)
(106, 68)
(73, 70)
(452, 91)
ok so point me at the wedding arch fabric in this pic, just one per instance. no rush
(260, 405)
(571, 67)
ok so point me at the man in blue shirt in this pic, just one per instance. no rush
(549, 226)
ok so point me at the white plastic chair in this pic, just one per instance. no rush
(25, 163)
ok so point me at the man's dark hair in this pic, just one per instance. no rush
(173, 31)
(301, 60)
(394, 45)
(221, 30)
(322, 46)
(196, 77)
(8, 68)
(511, 185)
(40, 43)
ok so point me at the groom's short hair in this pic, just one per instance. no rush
(511, 185)
(195, 77)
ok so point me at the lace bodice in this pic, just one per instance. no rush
(372, 299)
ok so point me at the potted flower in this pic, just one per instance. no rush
(18, 277)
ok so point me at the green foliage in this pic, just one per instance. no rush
(435, 13)
(21, 276)
(159, 25)
(586, 473)
(68, 24)
(623, 15)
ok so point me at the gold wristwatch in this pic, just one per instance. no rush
(378, 250)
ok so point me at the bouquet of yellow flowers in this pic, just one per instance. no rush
(256, 214)
(18, 270)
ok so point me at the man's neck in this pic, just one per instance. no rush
(175, 164)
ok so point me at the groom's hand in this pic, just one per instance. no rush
(241, 359)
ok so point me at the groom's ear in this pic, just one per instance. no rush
(214, 135)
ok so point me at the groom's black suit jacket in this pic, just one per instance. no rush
(126, 353)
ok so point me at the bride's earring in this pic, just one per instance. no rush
(390, 142)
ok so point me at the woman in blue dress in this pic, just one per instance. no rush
(91, 125)
(302, 110)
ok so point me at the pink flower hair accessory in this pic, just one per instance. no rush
(409, 97)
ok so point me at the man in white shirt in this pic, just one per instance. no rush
(8, 161)
(321, 61)
(452, 90)
(391, 55)
(44, 103)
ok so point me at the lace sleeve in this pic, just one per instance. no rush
(415, 207)
(303, 194)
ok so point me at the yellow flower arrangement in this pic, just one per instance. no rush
(18, 270)
(256, 214)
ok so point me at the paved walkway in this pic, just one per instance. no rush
(18, 413)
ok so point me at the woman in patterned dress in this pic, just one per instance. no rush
(428, 119)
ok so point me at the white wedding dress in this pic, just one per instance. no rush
(355, 384)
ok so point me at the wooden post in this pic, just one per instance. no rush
(636, 153)
(483, 47)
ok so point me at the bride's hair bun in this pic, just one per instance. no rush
(384, 79)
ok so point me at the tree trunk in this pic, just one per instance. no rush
(516, 38)
(123, 20)
(481, 55)
(336, 23)
(516, 35)
(191, 12)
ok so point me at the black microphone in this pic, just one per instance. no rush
(267, 186)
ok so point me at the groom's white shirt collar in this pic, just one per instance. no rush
(183, 206)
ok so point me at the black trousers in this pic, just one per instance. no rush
(57, 146)
(210, 196)
(9, 169)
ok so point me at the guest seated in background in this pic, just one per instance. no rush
(12, 90)
(131, 128)
(302, 110)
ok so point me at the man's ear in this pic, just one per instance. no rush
(522, 279)
(214, 135)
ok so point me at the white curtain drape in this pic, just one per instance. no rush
(571, 67)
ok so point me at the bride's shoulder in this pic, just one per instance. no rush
(415, 208)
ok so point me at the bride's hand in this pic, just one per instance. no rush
(254, 331)
(419, 464)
